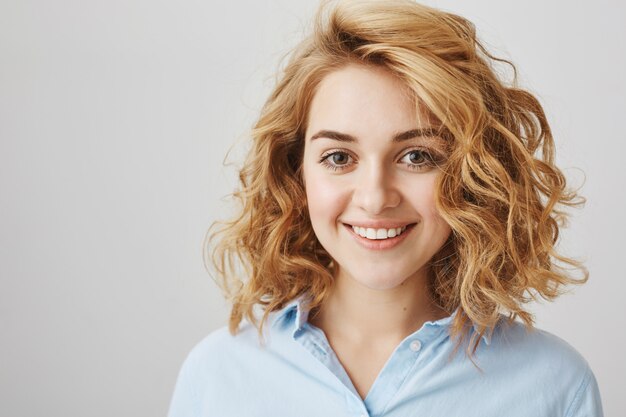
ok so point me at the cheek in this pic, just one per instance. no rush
(325, 200)
(423, 201)
(422, 198)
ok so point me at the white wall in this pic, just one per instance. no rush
(114, 120)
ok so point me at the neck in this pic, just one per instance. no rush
(358, 313)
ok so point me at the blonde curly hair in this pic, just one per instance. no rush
(499, 189)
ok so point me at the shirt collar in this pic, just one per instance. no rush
(299, 307)
(297, 311)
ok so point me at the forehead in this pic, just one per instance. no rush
(365, 100)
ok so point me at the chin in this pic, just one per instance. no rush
(376, 280)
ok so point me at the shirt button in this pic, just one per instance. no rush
(415, 345)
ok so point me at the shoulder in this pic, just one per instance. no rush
(220, 348)
(213, 369)
(537, 348)
(543, 366)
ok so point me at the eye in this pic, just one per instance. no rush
(336, 160)
(420, 159)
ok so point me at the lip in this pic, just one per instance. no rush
(379, 224)
(380, 244)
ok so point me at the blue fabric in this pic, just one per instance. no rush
(296, 373)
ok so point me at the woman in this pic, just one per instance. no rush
(400, 204)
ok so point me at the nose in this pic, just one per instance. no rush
(375, 190)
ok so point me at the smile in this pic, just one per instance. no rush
(379, 238)
(374, 234)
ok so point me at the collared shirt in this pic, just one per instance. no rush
(296, 373)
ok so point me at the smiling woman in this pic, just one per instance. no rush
(400, 205)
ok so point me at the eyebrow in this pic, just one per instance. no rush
(399, 137)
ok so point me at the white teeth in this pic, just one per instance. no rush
(381, 234)
(375, 234)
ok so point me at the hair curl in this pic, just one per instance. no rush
(499, 190)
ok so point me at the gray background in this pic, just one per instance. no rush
(115, 117)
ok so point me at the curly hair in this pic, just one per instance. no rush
(499, 189)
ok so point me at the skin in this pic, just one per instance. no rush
(379, 296)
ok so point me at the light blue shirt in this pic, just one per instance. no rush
(297, 374)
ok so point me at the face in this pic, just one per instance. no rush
(370, 168)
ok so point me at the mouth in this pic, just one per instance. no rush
(379, 233)
(379, 238)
